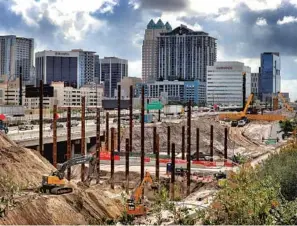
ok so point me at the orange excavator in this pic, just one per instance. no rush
(135, 205)
(285, 104)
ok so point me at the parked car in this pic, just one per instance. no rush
(234, 123)
(59, 125)
(25, 127)
(74, 123)
(241, 123)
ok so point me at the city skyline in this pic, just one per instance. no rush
(244, 28)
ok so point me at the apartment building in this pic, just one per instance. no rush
(184, 54)
(16, 57)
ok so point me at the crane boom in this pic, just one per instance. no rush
(250, 99)
(287, 106)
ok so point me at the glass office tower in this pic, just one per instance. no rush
(269, 82)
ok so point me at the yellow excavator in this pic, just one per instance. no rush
(135, 205)
(285, 104)
(55, 182)
(243, 114)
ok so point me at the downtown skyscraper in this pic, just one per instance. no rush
(150, 49)
(184, 54)
(16, 57)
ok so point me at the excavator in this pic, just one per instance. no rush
(243, 114)
(135, 205)
(55, 182)
(285, 104)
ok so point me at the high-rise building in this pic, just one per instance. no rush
(150, 49)
(255, 83)
(225, 82)
(76, 68)
(112, 69)
(97, 70)
(184, 54)
(86, 66)
(270, 80)
(54, 66)
(16, 56)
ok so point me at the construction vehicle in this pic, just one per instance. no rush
(55, 182)
(285, 104)
(243, 114)
(135, 205)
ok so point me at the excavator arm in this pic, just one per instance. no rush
(139, 190)
(287, 106)
(74, 161)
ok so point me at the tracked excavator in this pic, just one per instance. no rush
(55, 182)
(135, 205)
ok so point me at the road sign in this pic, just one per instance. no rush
(156, 105)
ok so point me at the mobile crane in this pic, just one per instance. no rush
(55, 182)
(135, 205)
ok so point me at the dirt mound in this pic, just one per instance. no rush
(203, 123)
(82, 207)
(22, 166)
(24, 169)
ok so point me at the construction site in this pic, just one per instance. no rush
(126, 172)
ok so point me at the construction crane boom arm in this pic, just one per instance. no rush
(138, 192)
(250, 99)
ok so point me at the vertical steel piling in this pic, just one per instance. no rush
(69, 141)
(54, 126)
(83, 135)
(112, 158)
(189, 148)
(142, 134)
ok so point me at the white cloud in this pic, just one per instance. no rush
(295, 60)
(135, 68)
(227, 16)
(72, 17)
(287, 19)
(258, 5)
(261, 21)
(289, 86)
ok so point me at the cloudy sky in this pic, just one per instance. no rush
(244, 28)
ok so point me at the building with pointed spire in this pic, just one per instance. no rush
(150, 49)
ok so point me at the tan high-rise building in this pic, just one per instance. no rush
(150, 49)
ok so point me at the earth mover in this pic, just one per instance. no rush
(55, 182)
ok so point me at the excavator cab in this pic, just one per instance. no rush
(55, 182)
